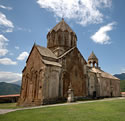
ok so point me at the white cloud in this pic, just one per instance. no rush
(7, 61)
(123, 70)
(3, 52)
(23, 29)
(5, 22)
(9, 76)
(16, 47)
(22, 56)
(101, 35)
(6, 7)
(3, 43)
(84, 11)
(7, 30)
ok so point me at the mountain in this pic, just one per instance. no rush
(122, 82)
(17, 83)
(7, 88)
(122, 85)
(120, 76)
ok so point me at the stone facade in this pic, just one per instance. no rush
(100, 83)
(49, 71)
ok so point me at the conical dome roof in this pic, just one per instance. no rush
(63, 26)
(92, 56)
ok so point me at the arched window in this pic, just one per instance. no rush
(90, 63)
(94, 64)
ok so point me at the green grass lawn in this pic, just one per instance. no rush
(8, 106)
(96, 111)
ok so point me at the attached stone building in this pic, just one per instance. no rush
(100, 83)
(49, 71)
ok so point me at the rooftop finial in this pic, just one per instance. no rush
(34, 42)
(92, 56)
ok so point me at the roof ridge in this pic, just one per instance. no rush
(104, 74)
(45, 54)
(66, 52)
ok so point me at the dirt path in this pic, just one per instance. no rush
(4, 111)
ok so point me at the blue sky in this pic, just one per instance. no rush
(99, 26)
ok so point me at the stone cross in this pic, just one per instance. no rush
(70, 94)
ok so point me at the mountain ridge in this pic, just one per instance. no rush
(9, 88)
(120, 76)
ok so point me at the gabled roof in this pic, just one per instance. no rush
(47, 62)
(63, 26)
(70, 50)
(103, 74)
(46, 52)
(92, 56)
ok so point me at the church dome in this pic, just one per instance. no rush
(62, 26)
(61, 37)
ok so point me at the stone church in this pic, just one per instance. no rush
(49, 71)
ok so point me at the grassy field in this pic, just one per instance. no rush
(96, 111)
(8, 106)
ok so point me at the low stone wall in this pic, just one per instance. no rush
(9, 98)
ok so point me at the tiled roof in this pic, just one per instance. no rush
(47, 62)
(63, 26)
(46, 52)
(14, 95)
(103, 74)
(123, 93)
(92, 56)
